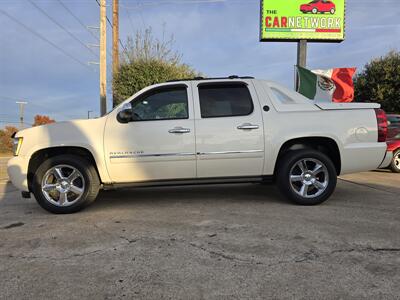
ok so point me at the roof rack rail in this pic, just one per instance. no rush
(215, 78)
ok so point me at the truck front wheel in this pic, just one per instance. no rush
(307, 177)
(65, 184)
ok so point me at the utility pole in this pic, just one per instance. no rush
(115, 37)
(21, 113)
(103, 58)
(301, 58)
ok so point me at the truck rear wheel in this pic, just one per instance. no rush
(65, 184)
(307, 177)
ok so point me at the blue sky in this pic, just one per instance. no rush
(216, 37)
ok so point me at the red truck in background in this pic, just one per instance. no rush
(318, 6)
(394, 147)
(393, 125)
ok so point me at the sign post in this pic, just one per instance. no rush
(302, 21)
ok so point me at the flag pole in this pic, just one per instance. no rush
(301, 59)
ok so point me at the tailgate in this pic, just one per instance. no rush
(347, 106)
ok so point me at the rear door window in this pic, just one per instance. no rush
(225, 100)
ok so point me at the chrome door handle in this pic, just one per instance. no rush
(247, 126)
(179, 130)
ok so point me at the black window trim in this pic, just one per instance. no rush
(162, 89)
(228, 83)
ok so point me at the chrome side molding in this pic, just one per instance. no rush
(153, 155)
(184, 154)
(229, 152)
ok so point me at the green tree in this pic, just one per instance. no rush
(148, 61)
(379, 81)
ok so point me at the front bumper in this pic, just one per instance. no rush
(17, 169)
(387, 160)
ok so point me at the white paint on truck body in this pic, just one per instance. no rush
(210, 147)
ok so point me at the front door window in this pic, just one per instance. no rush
(164, 104)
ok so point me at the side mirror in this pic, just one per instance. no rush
(125, 115)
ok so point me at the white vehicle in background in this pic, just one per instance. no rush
(226, 130)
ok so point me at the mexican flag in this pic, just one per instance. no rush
(334, 85)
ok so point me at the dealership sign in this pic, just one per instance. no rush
(293, 20)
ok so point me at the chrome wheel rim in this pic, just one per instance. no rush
(309, 178)
(397, 160)
(63, 185)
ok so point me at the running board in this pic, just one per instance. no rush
(195, 181)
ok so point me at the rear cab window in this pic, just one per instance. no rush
(225, 100)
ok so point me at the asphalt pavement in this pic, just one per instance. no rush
(206, 242)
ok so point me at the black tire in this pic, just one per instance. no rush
(88, 172)
(395, 165)
(332, 11)
(314, 11)
(289, 162)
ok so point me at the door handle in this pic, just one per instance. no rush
(248, 126)
(179, 130)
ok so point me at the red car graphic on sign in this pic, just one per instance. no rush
(319, 6)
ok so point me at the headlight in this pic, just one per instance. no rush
(17, 142)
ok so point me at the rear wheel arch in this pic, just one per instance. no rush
(41, 155)
(326, 145)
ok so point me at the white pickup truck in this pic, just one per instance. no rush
(224, 130)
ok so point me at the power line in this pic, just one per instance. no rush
(14, 122)
(130, 20)
(157, 2)
(45, 39)
(63, 28)
(11, 98)
(139, 10)
(109, 22)
(43, 107)
(78, 20)
(141, 17)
